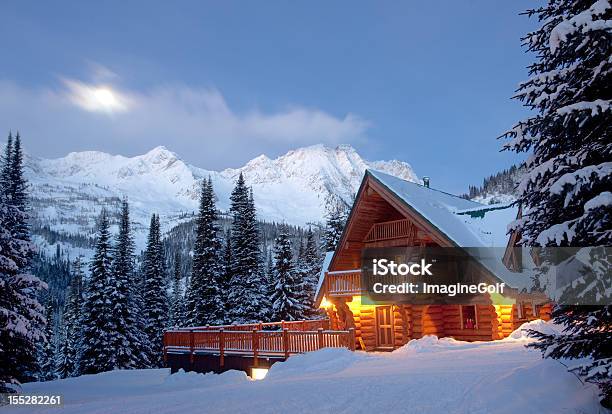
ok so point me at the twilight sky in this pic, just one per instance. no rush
(222, 82)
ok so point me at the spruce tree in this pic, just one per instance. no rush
(177, 306)
(286, 303)
(127, 338)
(336, 216)
(565, 191)
(66, 365)
(155, 299)
(95, 352)
(226, 278)
(21, 315)
(205, 300)
(247, 299)
(46, 352)
(312, 264)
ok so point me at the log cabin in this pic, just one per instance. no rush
(391, 212)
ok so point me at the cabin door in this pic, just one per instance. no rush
(384, 326)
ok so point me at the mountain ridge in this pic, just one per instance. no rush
(68, 192)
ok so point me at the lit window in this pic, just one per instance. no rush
(468, 317)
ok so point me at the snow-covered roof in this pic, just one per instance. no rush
(326, 261)
(467, 223)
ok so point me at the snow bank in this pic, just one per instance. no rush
(321, 362)
(521, 333)
(427, 375)
(182, 379)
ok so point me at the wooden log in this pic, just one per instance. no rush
(221, 347)
(320, 343)
(286, 342)
(191, 346)
(255, 347)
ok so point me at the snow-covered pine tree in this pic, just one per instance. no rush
(286, 303)
(247, 285)
(177, 306)
(270, 284)
(66, 365)
(46, 349)
(205, 300)
(155, 298)
(139, 309)
(565, 191)
(227, 274)
(95, 352)
(336, 215)
(21, 315)
(127, 339)
(301, 272)
(312, 263)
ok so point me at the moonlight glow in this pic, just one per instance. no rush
(95, 98)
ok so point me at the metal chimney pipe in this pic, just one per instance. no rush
(426, 181)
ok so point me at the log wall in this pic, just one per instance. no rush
(416, 321)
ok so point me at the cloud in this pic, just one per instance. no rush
(197, 123)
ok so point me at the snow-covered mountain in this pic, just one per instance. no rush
(68, 193)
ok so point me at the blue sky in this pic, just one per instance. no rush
(221, 82)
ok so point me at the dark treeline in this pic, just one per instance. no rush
(503, 182)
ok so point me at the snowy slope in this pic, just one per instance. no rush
(428, 375)
(67, 193)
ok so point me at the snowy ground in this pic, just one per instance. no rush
(429, 375)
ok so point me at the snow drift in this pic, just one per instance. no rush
(427, 375)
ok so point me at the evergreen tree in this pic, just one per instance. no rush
(205, 300)
(127, 339)
(227, 274)
(46, 353)
(565, 191)
(95, 352)
(312, 264)
(337, 214)
(155, 299)
(270, 285)
(286, 296)
(21, 315)
(66, 365)
(247, 286)
(177, 307)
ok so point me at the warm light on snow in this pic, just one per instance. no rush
(258, 373)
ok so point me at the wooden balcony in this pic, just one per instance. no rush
(343, 283)
(276, 339)
(390, 230)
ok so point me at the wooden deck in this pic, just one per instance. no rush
(261, 340)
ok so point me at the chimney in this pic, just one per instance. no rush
(426, 181)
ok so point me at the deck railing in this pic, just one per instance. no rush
(343, 283)
(389, 230)
(254, 341)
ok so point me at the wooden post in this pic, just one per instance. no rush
(283, 325)
(165, 350)
(286, 342)
(191, 346)
(255, 347)
(320, 338)
(352, 339)
(260, 327)
(221, 347)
